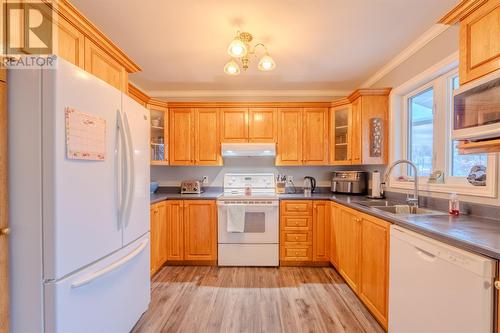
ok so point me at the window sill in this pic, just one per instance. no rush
(487, 191)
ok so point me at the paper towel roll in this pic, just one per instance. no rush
(375, 184)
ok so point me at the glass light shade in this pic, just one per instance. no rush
(237, 49)
(232, 68)
(266, 63)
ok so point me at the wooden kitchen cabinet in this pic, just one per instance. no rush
(158, 133)
(262, 125)
(480, 42)
(175, 230)
(71, 43)
(194, 137)
(289, 149)
(321, 231)
(234, 123)
(158, 228)
(200, 230)
(181, 136)
(356, 140)
(334, 234)
(374, 266)
(315, 139)
(206, 136)
(349, 247)
(102, 65)
(341, 134)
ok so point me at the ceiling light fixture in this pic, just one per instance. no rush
(240, 49)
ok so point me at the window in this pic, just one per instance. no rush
(461, 164)
(421, 131)
(425, 133)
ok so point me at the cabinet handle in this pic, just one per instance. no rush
(4, 231)
(357, 219)
(296, 237)
(497, 285)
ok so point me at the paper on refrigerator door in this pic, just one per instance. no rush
(85, 136)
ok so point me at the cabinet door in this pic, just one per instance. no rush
(102, 65)
(321, 230)
(181, 136)
(175, 230)
(374, 282)
(4, 221)
(374, 107)
(349, 247)
(262, 125)
(356, 132)
(159, 134)
(334, 234)
(340, 135)
(315, 141)
(234, 125)
(162, 231)
(154, 236)
(71, 43)
(200, 230)
(480, 42)
(289, 149)
(207, 143)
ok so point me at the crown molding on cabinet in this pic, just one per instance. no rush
(413, 48)
(245, 93)
(248, 104)
(460, 11)
(65, 9)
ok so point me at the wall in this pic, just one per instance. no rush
(172, 175)
(435, 51)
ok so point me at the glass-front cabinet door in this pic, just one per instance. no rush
(341, 121)
(159, 134)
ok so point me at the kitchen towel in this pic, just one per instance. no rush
(236, 218)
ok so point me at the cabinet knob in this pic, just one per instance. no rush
(296, 237)
(497, 285)
(4, 231)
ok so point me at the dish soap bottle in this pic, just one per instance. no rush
(454, 205)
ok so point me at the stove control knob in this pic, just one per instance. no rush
(184, 189)
(195, 189)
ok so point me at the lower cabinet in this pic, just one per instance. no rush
(183, 230)
(360, 252)
(158, 230)
(304, 231)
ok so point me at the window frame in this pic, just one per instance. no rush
(440, 79)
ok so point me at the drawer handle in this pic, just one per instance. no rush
(296, 253)
(296, 237)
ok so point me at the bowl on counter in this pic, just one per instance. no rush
(153, 187)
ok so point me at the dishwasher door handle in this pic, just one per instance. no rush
(425, 254)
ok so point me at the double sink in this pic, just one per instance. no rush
(398, 209)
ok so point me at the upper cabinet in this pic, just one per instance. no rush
(359, 128)
(249, 124)
(102, 65)
(234, 125)
(480, 42)
(479, 37)
(71, 43)
(194, 136)
(315, 136)
(302, 136)
(262, 125)
(159, 129)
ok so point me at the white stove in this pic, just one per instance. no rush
(254, 198)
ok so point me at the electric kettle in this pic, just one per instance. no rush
(309, 183)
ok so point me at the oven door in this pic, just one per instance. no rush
(261, 223)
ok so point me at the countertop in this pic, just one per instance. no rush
(476, 234)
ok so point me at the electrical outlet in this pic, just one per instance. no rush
(204, 180)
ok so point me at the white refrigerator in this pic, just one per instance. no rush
(79, 251)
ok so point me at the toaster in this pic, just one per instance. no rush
(191, 187)
(349, 182)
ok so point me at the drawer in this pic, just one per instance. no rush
(296, 253)
(296, 222)
(296, 207)
(303, 237)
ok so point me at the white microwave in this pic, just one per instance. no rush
(476, 114)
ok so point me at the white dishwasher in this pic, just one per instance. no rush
(434, 287)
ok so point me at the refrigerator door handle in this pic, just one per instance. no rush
(130, 172)
(123, 155)
(117, 264)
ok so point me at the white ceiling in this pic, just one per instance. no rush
(317, 44)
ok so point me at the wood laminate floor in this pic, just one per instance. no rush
(246, 299)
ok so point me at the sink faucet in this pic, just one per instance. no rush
(411, 201)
